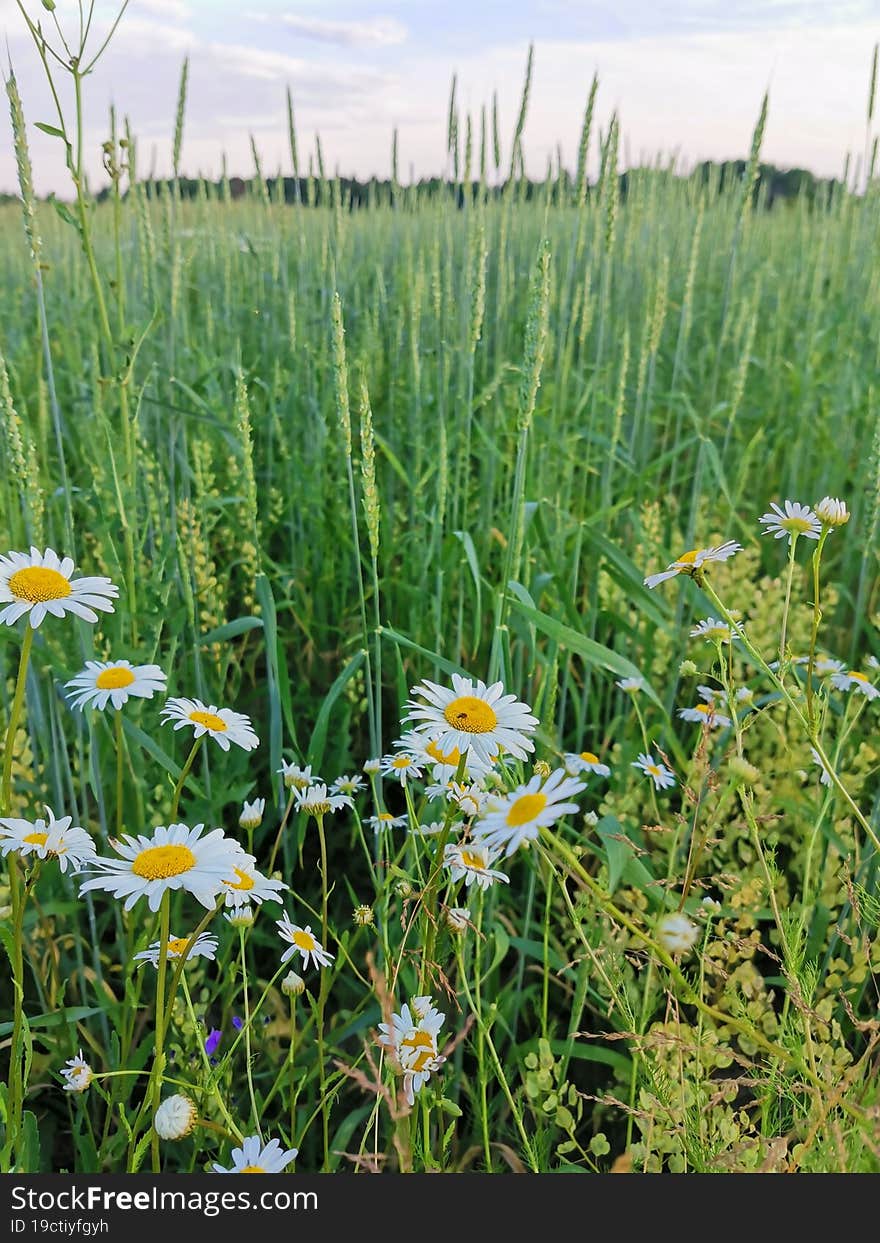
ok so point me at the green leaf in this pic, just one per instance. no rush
(592, 652)
(471, 554)
(52, 130)
(230, 630)
(448, 666)
(161, 757)
(56, 1018)
(318, 739)
(29, 1145)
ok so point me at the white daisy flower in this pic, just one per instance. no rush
(745, 696)
(795, 520)
(712, 630)
(38, 583)
(244, 884)
(411, 1037)
(253, 1157)
(663, 778)
(175, 857)
(316, 800)
(297, 778)
(852, 680)
(252, 814)
(586, 762)
(175, 1117)
(705, 714)
(631, 686)
(348, 785)
(303, 942)
(204, 946)
(677, 934)
(831, 512)
(471, 800)
(114, 682)
(521, 814)
(221, 724)
(692, 562)
(473, 717)
(401, 766)
(77, 1073)
(364, 916)
(444, 765)
(431, 829)
(385, 820)
(471, 861)
(825, 777)
(458, 918)
(48, 839)
(827, 664)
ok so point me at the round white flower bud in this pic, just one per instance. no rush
(293, 985)
(175, 1117)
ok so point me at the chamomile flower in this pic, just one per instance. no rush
(385, 820)
(401, 766)
(114, 683)
(317, 800)
(175, 857)
(349, 786)
(692, 562)
(711, 630)
(221, 724)
(705, 714)
(663, 778)
(586, 762)
(48, 839)
(827, 664)
(852, 680)
(255, 1157)
(296, 778)
(411, 1037)
(204, 946)
(677, 934)
(175, 1117)
(471, 860)
(364, 916)
(796, 519)
(458, 918)
(243, 884)
(39, 583)
(472, 717)
(831, 512)
(252, 814)
(631, 686)
(520, 815)
(240, 916)
(77, 1074)
(471, 800)
(444, 765)
(825, 775)
(302, 941)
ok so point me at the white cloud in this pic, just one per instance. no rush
(374, 32)
(176, 10)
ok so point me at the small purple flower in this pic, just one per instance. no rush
(237, 1023)
(214, 1038)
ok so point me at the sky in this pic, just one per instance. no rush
(685, 77)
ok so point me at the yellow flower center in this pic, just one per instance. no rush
(176, 946)
(688, 558)
(858, 677)
(210, 720)
(36, 584)
(449, 757)
(470, 715)
(527, 807)
(36, 839)
(471, 859)
(385, 816)
(114, 679)
(401, 761)
(706, 709)
(797, 526)
(244, 881)
(252, 1169)
(652, 769)
(304, 941)
(422, 1041)
(589, 758)
(160, 862)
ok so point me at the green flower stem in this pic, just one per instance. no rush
(154, 1092)
(809, 728)
(120, 755)
(247, 1032)
(17, 899)
(785, 611)
(209, 1069)
(184, 773)
(429, 897)
(817, 617)
(480, 1037)
(278, 836)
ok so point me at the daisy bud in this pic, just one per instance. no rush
(240, 916)
(687, 668)
(403, 889)
(372, 766)
(831, 512)
(293, 985)
(175, 1117)
(363, 916)
(711, 906)
(542, 769)
(590, 819)
(677, 934)
(252, 814)
(457, 918)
